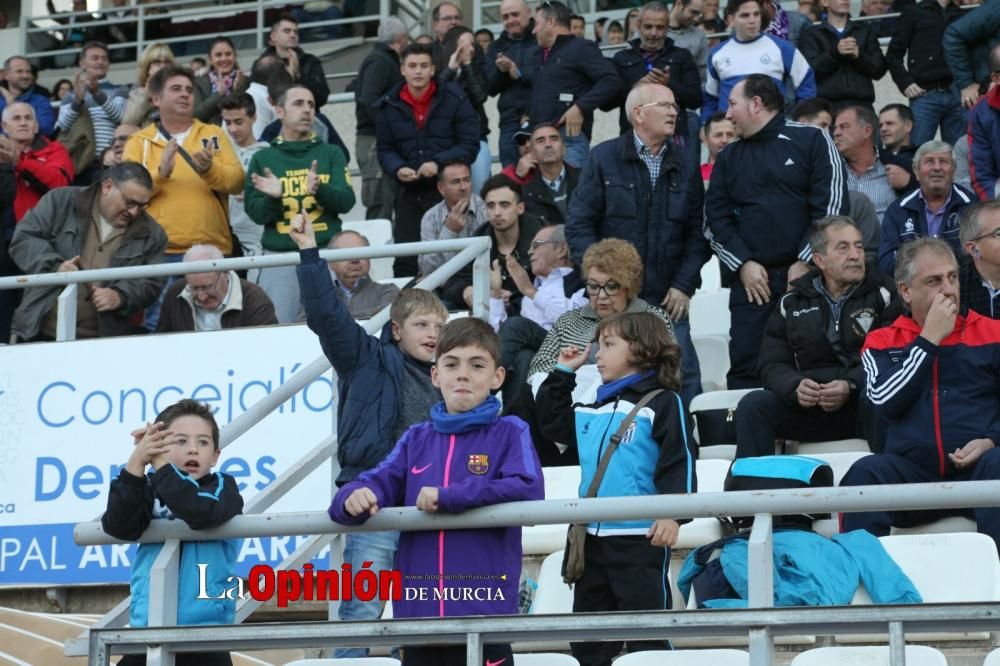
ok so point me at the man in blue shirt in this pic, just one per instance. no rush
(21, 88)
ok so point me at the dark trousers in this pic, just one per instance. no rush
(184, 659)
(762, 416)
(746, 328)
(454, 655)
(520, 338)
(887, 468)
(620, 573)
(413, 200)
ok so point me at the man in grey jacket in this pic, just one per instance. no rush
(75, 228)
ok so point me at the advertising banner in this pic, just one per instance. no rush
(66, 411)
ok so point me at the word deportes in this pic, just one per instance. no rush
(265, 583)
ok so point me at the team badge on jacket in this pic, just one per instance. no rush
(479, 463)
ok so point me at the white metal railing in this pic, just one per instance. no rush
(763, 504)
(186, 10)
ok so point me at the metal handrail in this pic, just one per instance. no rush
(954, 495)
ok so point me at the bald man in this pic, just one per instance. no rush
(644, 165)
(510, 63)
(213, 301)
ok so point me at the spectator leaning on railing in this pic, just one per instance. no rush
(101, 226)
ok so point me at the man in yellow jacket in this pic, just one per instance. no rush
(194, 167)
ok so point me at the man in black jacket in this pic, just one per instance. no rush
(378, 73)
(845, 56)
(925, 79)
(810, 358)
(655, 59)
(574, 79)
(305, 68)
(765, 192)
(641, 188)
(551, 181)
(510, 65)
(421, 124)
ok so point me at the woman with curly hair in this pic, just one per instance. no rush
(612, 270)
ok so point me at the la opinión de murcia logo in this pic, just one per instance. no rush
(265, 583)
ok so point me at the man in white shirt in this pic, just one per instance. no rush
(556, 288)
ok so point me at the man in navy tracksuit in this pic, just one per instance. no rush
(766, 191)
(573, 80)
(934, 377)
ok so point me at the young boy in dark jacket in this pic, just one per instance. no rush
(373, 376)
(466, 456)
(181, 446)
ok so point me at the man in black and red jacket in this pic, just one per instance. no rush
(934, 377)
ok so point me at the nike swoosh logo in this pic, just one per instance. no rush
(495, 663)
(420, 470)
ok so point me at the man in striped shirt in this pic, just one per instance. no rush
(104, 103)
(869, 170)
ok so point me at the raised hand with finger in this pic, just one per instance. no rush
(573, 357)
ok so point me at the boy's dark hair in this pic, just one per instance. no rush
(159, 80)
(733, 6)
(649, 344)
(188, 407)
(416, 49)
(810, 108)
(241, 101)
(716, 117)
(469, 332)
(498, 182)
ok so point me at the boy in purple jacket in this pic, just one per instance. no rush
(466, 456)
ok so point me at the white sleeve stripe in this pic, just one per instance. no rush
(880, 395)
(836, 182)
(799, 69)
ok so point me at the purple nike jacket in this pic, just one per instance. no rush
(474, 459)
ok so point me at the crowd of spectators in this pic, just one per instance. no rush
(817, 204)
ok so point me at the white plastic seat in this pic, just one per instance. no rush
(347, 661)
(710, 313)
(853, 445)
(544, 659)
(711, 276)
(698, 532)
(920, 556)
(717, 452)
(947, 525)
(684, 658)
(717, 400)
(378, 232)
(713, 358)
(916, 655)
(993, 658)
(839, 461)
(553, 596)
(560, 483)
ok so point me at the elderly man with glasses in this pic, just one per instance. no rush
(213, 301)
(76, 228)
(645, 166)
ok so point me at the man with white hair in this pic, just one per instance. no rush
(37, 164)
(644, 165)
(213, 301)
(378, 73)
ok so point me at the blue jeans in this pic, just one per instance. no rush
(152, 316)
(690, 368)
(577, 148)
(938, 107)
(379, 548)
(507, 147)
(481, 167)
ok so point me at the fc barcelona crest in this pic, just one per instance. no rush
(479, 463)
